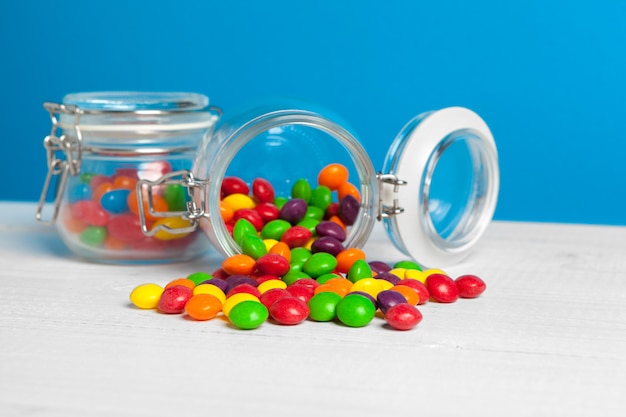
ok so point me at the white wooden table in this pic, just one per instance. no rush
(547, 338)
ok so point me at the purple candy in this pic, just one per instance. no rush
(332, 229)
(235, 280)
(368, 296)
(379, 267)
(388, 276)
(218, 282)
(294, 210)
(349, 209)
(327, 244)
(389, 298)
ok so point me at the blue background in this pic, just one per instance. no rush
(547, 76)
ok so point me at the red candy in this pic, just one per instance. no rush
(234, 185)
(90, 212)
(269, 297)
(403, 316)
(173, 299)
(289, 310)
(271, 264)
(302, 292)
(296, 236)
(126, 227)
(470, 286)
(267, 211)
(442, 288)
(253, 216)
(244, 288)
(262, 189)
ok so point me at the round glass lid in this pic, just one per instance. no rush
(448, 160)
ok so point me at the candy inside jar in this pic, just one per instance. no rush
(101, 212)
(100, 148)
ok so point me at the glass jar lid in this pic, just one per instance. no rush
(448, 161)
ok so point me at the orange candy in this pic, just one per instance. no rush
(240, 264)
(203, 306)
(333, 176)
(412, 297)
(158, 204)
(124, 182)
(340, 286)
(347, 257)
(282, 249)
(226, 212)
(348, 189)
(183, 282)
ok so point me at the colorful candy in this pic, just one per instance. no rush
(110, 203)
(294, 265)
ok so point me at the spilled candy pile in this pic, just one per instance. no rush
(294, 265)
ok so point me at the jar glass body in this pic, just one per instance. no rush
(123, 138)
(283, 141)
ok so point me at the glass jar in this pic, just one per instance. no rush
(101, 145)
(436, 193)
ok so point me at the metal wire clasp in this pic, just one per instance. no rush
(64, 155)
(385, 211)
(196, 190)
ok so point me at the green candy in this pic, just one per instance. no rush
(323, 279)
(323, 306)
(321, 197)
(86, 177)
(93, 236)
(319, 264)
(253, 246)
(360, 269)
(198, 277)
(314, 213)
(274, 229)
(176, 197)
(242, 229)
(292, 276)
(355, 310)
(309, 224)
(408, 265)
(299, 256)
(301, 189)
(279, 202)
(248, 315)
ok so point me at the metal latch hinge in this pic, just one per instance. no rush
(385, 211)
(196, 203)
(64, 155)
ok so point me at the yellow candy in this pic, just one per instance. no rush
(210, 289)
(239, 201)
(309, 244)
(146, 296)
(385, 284)
(172, 223)
(372, 286)
(269, 243)
(271, 284)
(415, 274)
(235, 299)
(399, 272)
